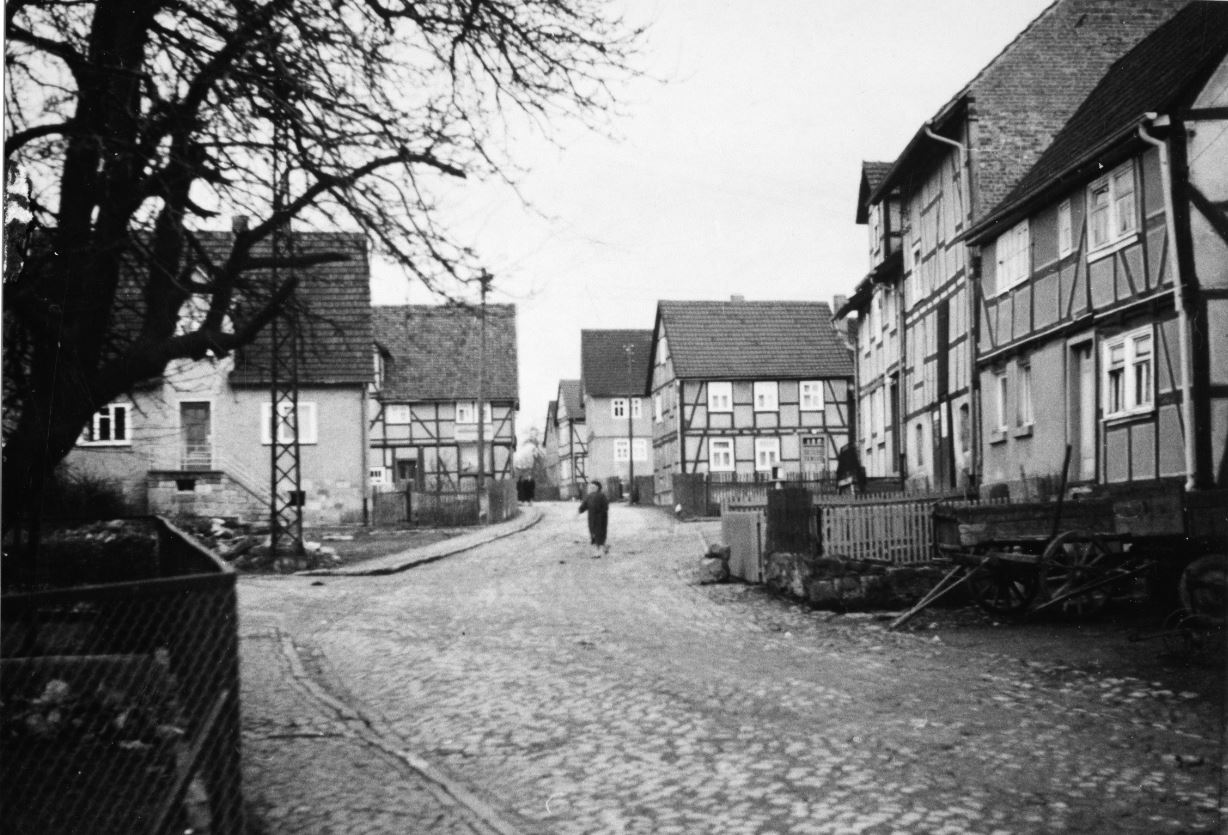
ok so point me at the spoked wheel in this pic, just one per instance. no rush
(1004, 591)
(1071, 570)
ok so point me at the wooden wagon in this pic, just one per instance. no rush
(1072, 557)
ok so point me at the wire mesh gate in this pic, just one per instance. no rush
(120, 706)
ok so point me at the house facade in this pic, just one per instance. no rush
(958, 165)
(198, 441)
(424, 416)
(874, 314)
(568, 444)
(747, 389)
(613, 367)
(1104, 279)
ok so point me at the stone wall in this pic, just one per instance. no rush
(852, 585)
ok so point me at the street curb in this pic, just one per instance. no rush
(445, 789)
(459, 545)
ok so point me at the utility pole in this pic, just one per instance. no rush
(630, 351)
(484, 280)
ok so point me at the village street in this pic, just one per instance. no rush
(523, 686)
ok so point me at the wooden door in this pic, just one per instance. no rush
(196, 435)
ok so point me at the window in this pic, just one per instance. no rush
(396, 413)
(918, 452)
(720, 455)
(657, 412)
(1129, 374)
(1000, 399)
(377, 380)
(467, 410)
(109, 427)
(618, 407)
(621, 448)
(766, 397)
(812, 395)
(285, 432)
(637, 407)
(720, 397)
(639, 449)
(1111, 210)
(377, 476)
(767, 453)
(1014, 261)
(1023, 400)
(1065, 233)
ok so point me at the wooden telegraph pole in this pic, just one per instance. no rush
(484, 280)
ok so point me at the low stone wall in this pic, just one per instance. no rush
(852, 585)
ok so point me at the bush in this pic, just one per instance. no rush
(75, 496)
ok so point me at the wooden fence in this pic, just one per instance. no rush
(445, 508)
(898, 532)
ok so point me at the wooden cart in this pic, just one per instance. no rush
(1094, 549)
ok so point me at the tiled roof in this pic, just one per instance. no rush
(1024, 96)
(334, 300)
(753, 340)
(432, 352)
(571, 398)
(1152, 78)
(872, 175)
(603, 362)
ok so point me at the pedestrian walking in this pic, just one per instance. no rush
(598, 508)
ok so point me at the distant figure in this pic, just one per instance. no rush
(598, 508)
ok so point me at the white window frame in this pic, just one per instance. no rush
(766, 396)
(811, 395)
(90, 436)
(637, 408)
(622, 451)
(618, 408)
(1121, 217)
(308, 428)
(658, 413)
(720, 455)
(1065, 229)
(639, 449)
(394, 411)
(1136, 385)
(378, 476)
(466, 412)
(720, 397)
(1013, 251)
(767, 454)
(1024, 412)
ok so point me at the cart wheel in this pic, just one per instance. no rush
(1203, 587)
(1072, 561)
(1003, 592)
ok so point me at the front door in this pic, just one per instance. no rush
(196, 435)
(1082, 413)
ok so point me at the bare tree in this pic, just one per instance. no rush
(135, 121)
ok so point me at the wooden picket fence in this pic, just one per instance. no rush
(897, 532)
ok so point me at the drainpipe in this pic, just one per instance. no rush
(1174, 268)
(974, 469)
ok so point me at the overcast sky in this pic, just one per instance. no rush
(736, 174)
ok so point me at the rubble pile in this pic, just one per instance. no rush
(247, 545)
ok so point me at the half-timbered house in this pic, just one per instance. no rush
(424, 420)
(1104, 284)
(960, 163)
(874, 313)
(738, 387)
(570, 440)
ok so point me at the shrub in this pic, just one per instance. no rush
(76, 496)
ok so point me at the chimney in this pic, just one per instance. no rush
(737, 298)
(837, 302)
(239, 224)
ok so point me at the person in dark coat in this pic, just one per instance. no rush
(598, 508)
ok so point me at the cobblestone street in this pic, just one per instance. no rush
(522, 686)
